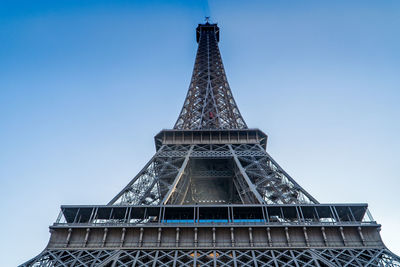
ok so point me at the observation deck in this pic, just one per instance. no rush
(209, 136)
(221, 226)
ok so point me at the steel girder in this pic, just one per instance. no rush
(209, 103)
(258, 178)
(154, 181)
(271, 181)
(215, 257)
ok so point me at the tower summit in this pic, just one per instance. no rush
(212, 196)
(209, 103)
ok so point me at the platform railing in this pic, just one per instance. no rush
(301, 215)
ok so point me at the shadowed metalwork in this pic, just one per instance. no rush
(212, 196)
(271, 257)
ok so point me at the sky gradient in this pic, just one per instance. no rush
(85, 85)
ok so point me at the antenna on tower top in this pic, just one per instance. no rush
(207, 19)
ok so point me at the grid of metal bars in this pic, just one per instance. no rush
(209, 103)
(268, 258)
(258, 178)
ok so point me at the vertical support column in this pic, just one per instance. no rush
(86, 237)
(68, 237)
(122, 237)
(251, 237)
(141, 237)
(159, 236)
(213, 237)
(104, 237)
(361, 235)
(177, 237)
(195, 237)
(324, 236)
(232, 237)
(343, 236)
(269, 236)
(306, 236)
(287, 237)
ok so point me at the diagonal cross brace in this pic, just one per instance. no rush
(178, 177)
(252, 187)
(291, 179)
(133, 180)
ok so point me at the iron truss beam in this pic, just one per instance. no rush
(216, 257)
(258, 178)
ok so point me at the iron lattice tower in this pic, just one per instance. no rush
(212, 196)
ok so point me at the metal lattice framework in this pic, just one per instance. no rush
(259, 258)
(209, 103)
(257, 177)
(212, 196)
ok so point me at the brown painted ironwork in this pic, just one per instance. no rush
(212, 196)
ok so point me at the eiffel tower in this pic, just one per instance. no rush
(212, 196)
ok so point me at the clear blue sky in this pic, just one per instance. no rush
(85, 85)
